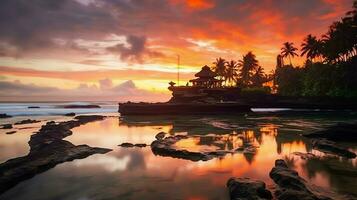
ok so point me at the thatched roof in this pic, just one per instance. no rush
(206, 72)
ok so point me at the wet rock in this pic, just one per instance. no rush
(305, 156)
(339, 132)
(88, 118)
(71, 114)
(290, 185)
(331, 147)
(47, 149)
(247, 189)
(126, 145)
(27, 121)
(140, 145)
(81, 106)
(164, 147)
(33, 107)
(130, 145)
(160, 135)
(7, 126)
(10, 132)
(52, 131)
(19, 169)
(4, 115)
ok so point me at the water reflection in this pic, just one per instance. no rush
(136, 173)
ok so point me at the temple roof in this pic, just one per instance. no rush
(206, 72)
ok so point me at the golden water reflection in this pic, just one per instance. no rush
(136, 173)
(271, 144)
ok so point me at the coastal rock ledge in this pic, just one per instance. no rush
(247, 189)
(47, 149)
(290, 185)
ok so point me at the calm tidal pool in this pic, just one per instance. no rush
(136, 173)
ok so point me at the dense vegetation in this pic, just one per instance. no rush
(331, 63)
(330, 69)
(243, 73)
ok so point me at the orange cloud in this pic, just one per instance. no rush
(195, 4)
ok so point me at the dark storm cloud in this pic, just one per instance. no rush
(30, 26)
(135, 50)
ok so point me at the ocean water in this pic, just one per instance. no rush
(55, 108)
(137, 173)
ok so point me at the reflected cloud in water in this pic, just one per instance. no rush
(136, 173)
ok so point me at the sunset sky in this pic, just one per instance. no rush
(127, 49)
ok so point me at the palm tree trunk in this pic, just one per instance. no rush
(290, 60)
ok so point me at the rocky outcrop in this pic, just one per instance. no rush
(340, 132)
(129, 145)
(47, 149)
(71, 114)
(27, 121)
(164, 147)
(160, 135)
(52, 131)
(4, 115)
(247, 189)
(7, 126)
(33, 107)
(305, 156)
(331, 147)
(290, 185)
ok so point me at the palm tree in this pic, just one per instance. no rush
(247, 65)
(220, 67)
(259, 77)
(231, 71)
(309, 47)
(288, 50)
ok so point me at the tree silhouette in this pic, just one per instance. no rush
(231, 71)
(220, 67)
(258, 77)
(247, 65)
(311, 47)
(288, 50)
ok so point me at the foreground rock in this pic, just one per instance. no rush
(4, 115)
(331, 147)
(129, 145)
(163, 147)
(160, 135)
(7, 126)
(247, 189)
(52, 131)
(340, 132)
(16, 170)
(47, 149)
(290, 185)
(27, 121)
